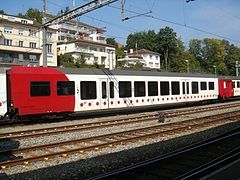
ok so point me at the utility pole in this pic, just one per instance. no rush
(67, 16)
(237, 66)
(44, 34)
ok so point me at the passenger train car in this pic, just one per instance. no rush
(28, 91)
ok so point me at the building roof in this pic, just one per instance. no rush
(86, 42)
(144, 51)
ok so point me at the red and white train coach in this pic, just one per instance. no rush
(27, 91)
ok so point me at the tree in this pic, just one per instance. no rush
(180, 57)
(66, 60)
(33, 14)
(2, 12)
(167, 44)
(119, 51)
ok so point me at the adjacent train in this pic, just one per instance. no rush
(34, 91)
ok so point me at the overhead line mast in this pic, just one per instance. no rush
(68, 16)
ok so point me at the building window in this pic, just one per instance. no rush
(65, 88)
(32, 33)
(125, 89)
(150, 56)
(175, 88)
(20, 32)
(23, 21)
(41, 88)
(152, 88)
(156, 57)
(88, 90)
(49, 35)
(139, 89)
(93, 49)
(20, 43)
(150, 64)
(7, 42)
(194, 87)
(211, 85)
(32, 45)
(32, 58)
(8, 30)
(156, 64)
(49, 48)
(164, 87)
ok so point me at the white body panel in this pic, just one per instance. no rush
(116, 102)
(3, 95)
(236, 89)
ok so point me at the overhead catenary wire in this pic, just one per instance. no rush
(179, 24)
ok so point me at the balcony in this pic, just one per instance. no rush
(20, 49)
(16, 61)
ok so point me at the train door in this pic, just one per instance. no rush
(186, 89)
(107, 94)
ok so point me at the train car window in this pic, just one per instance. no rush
(233, 84)
(203, 86)
(111, 89)
(104, 90)
(152, 88)
(238, 84)
(211, 85)
(194, 87)
(175, 88)
(125, 89)
(187, 87)
(40, 88)
(139, 89)
(65, 88)
(164, 88)
(88, 90)
(183, 88)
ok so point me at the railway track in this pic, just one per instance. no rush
(192, 162)
(109, 123)
(25, 156)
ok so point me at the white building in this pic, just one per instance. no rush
(148, 58)
(78, 38)
(21, 42)
(93, 52)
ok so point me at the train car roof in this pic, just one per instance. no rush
(94, 71)
(123, 72)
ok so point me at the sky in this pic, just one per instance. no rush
(197, 19)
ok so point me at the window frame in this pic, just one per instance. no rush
(42, 90)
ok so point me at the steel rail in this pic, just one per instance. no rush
(111, 139)
(104, 124)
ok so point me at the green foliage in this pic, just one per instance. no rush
(119, 51)
(33, 14)
(2, 11)
(66, 60)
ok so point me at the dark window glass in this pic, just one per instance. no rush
(88, 90)
(211, 85)
(187, 87)
(104, 90)
(111, 89)
(125, 89)
(175, 88)
(203, 86)
(238, 84)
(233, 84)
(65, 88)
(139, 89)
(183, 88)
(164, 88)
(40, 88)
(194, 87)
(152, 88)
